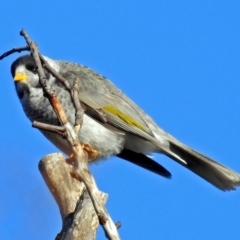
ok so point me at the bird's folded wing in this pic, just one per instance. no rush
(104, 102)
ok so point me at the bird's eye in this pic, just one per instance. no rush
(31, 68)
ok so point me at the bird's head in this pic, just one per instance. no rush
(24, 73)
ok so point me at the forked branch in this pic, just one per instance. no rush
(81, 152)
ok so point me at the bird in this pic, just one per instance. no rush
(113, 124)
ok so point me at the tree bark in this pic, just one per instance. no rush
(79, 219)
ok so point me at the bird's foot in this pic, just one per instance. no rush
(92, 153)
(70, 160)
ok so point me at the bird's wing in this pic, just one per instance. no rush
(105, 102)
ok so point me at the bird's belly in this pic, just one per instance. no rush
(98, 137)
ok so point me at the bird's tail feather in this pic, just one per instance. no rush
(144, 162)
(217, 174)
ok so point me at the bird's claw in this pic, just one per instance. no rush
(92, 153)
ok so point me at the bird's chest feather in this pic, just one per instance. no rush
(38, 108)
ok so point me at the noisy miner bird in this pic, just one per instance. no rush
(112, 124)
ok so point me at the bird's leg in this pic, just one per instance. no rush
(70, 160)
(92, 154)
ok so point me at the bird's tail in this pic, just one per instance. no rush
(217, 174)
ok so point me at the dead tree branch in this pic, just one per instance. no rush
(80, 169)
(20, 49)
(82, 154)
(79, 218)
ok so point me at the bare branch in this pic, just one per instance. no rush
(80, 169)
(55, 74)
(74, 91)
(20, 49)
(34, 50)
(79, 110)
(50, 128)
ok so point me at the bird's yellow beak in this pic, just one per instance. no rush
(20, 76)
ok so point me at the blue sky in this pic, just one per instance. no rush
(178, 60)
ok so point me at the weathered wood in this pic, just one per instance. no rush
(80, 220)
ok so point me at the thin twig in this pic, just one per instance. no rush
(19, 49)
(79, 110)
(50, 128)
(74, 90)
(54, 73)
